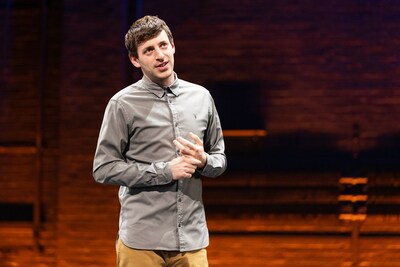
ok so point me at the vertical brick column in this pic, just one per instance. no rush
(91, 72)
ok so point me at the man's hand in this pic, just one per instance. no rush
(183, 167)
(189, 149)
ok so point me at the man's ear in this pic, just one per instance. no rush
(134, 61)
(173, 47)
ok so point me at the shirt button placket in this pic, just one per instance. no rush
(180, 214)
(180, 182)
(174, 116)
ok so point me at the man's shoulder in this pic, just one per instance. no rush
(127, 91)
(183, 84)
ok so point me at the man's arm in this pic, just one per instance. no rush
(110, 165)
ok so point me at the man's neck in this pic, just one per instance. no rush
(165, 82)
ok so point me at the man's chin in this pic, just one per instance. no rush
(165, 79)
(165, 75)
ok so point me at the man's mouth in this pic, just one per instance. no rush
(162, 65)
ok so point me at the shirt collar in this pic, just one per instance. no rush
(157, 89)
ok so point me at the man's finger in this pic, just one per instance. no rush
(196, 139)
(178, 145)
(185, 142)
(183, 150)
(192, 160)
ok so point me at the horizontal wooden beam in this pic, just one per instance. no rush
(353, 180)
(245, 133)
(353, 217)
(14, 150)
(353, 198)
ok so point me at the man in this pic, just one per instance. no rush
(158, 136)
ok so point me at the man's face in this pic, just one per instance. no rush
(156, 59)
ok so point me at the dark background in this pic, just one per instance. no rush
(320, 77)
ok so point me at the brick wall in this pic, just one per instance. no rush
(311, 69)
(321, 66)
(91, 73)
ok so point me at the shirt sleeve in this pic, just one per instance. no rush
(214, 145)
(111, 167)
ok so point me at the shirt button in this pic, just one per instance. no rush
(180, 199)
(179, 225)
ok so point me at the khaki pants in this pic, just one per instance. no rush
(128, 257)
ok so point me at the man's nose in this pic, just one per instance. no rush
(159, 54)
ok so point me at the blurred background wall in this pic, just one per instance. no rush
(315, 84)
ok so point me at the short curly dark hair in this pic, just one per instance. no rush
(142, 30)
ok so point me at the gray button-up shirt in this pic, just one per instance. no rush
(134, 149)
